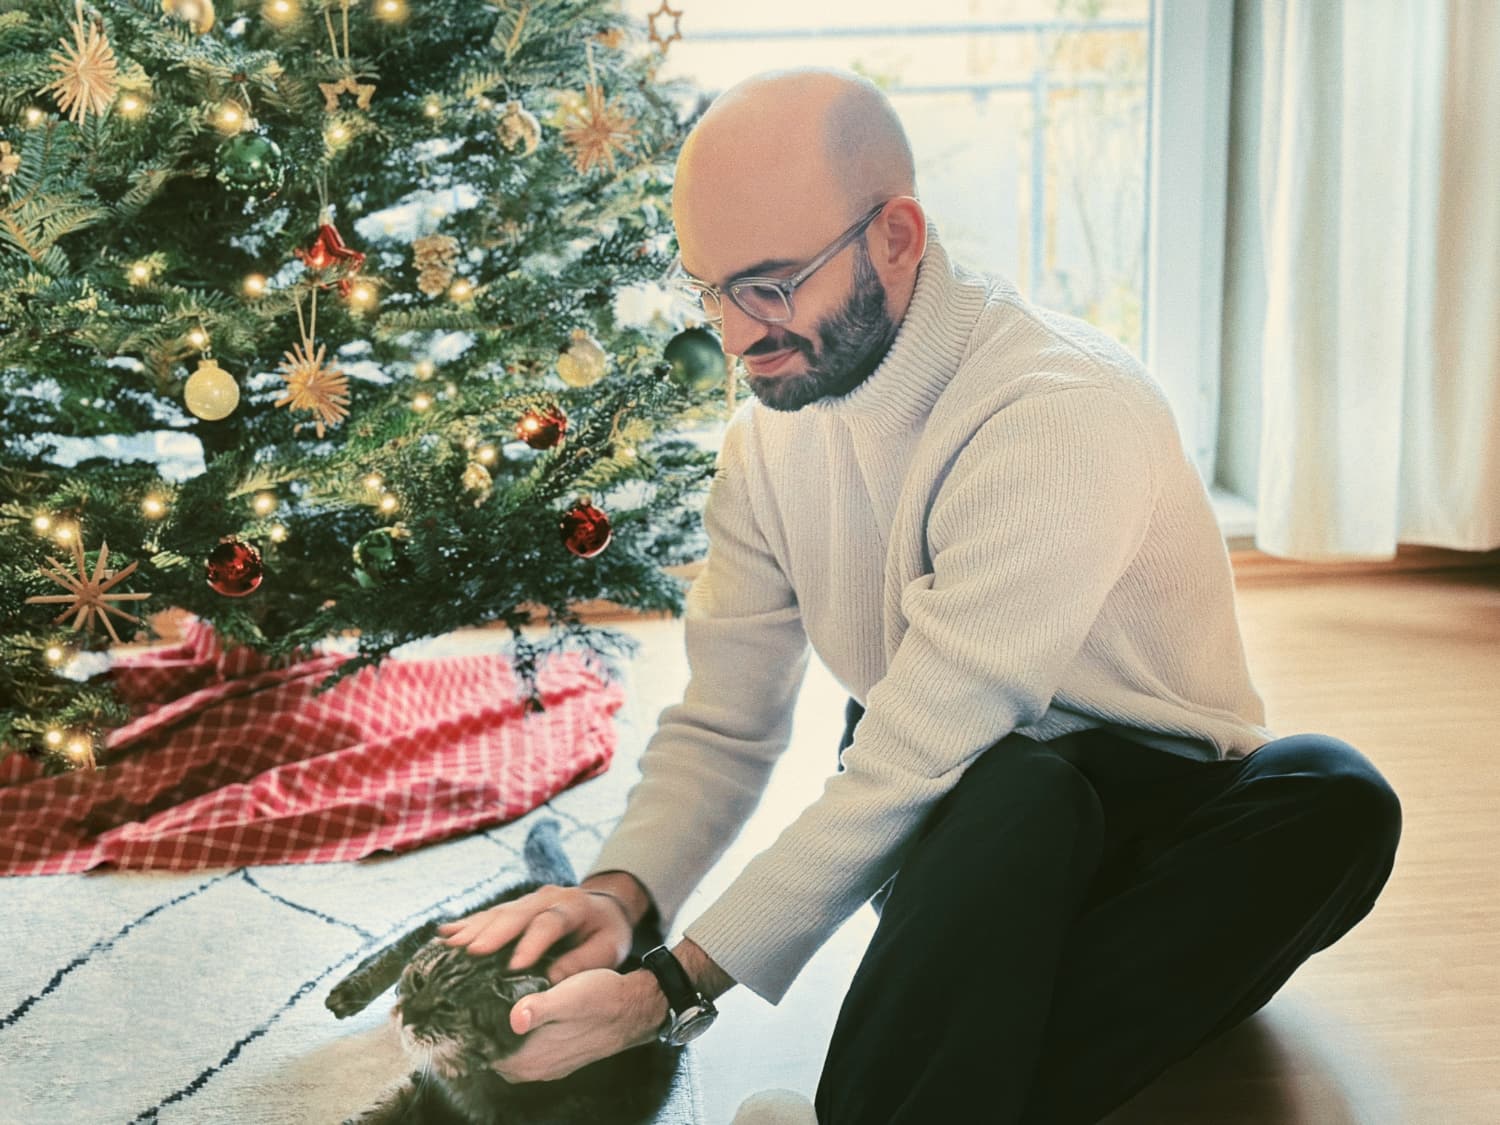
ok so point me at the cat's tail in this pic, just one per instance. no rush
(546, 862)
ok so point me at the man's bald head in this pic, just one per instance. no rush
(777, 168)
(812, 142)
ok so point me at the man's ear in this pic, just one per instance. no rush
(903, 241)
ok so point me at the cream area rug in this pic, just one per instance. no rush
(198, 997)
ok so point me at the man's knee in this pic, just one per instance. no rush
(1361, 812)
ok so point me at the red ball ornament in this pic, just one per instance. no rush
(585, 530)
(234, 568)
(542, 429)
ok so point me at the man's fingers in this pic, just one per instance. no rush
(596, 953)
(544, 929)
(490, 929)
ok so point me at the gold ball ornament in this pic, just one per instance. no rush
(477, 480)
(211, 392)
(519, 129)
(583, 363)
(199, 14)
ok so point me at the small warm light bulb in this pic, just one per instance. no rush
(54, 737)
(462, 289)
(140, 273)
(486, 454)
(421, 402)
(432, 109)
(54, 654)
(198, 338)
(80, 750)
(231, 118)
(627, 453)
(278, 533)
(374, 483)
(34, 116)
(43, 524)
(65, 533)
(265, 503)
(280, 12)
(132, 106)
(338, 135)
(392, 11)
(255, 284)
(531, 423)
(388, 503)
(425, 369)
(362, 296)
(154, 507)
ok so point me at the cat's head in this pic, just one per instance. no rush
(453, 1009)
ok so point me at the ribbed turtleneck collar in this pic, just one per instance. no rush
(929, 343)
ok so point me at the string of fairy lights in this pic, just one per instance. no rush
(595, 130)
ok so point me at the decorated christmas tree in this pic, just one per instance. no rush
(365, 261)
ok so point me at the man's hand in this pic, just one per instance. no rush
(593, 927)
(590, 1016)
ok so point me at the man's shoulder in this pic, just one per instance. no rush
(1020, 350)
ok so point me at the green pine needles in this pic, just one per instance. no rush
(502, 167)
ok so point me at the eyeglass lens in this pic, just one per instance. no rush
(764, 302)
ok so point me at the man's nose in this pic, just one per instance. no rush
(741, 330)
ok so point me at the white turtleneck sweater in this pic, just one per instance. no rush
(997, 532)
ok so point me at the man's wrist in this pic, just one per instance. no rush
(651, 1003)
(707, 977)
(624, 888)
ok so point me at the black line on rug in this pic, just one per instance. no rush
(318, 914)
(103, 944)
(401, 928)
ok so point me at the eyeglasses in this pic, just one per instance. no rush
(766, 299)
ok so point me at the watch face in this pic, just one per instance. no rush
(691, 1024)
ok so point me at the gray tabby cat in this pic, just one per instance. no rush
(453, 1013)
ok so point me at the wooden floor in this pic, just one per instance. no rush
(1396, 1024)
(1399, 1022)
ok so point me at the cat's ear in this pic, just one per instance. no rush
(511, 989)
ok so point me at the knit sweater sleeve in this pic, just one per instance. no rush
(1035, 522)
(706, 767)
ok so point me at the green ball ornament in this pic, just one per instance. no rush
(697, 359)
(251, 166)
(380, 555)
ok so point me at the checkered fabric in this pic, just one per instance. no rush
(229, 761)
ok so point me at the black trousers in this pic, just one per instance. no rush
(1077, 915)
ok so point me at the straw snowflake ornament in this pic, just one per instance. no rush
(312, 386)
(86, 596)
(600, 129)
(86, 70)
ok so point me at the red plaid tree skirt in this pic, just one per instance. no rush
(231, 762)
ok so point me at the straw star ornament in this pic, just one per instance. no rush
(598, 131)
(89, 597)
(86, 70)
(311, 386)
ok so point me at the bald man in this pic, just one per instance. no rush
(1087, 852)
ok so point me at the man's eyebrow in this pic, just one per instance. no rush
(759, 269)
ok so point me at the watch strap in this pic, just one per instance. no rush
(679, 988)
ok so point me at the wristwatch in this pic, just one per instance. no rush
(691, 1012)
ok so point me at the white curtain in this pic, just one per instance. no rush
(1379, 170)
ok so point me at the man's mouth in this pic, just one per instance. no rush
(768, 364)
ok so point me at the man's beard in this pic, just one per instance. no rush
(853, 342)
